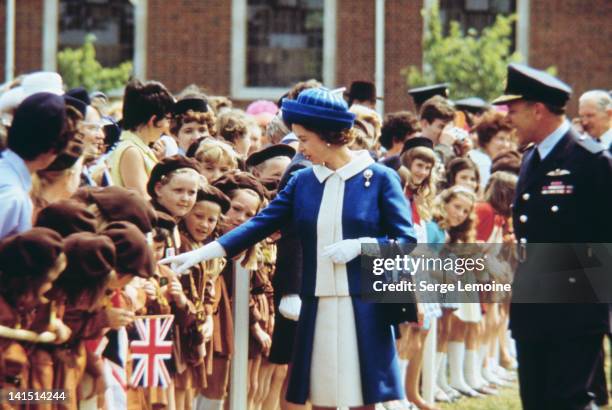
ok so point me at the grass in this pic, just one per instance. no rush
(508, 399)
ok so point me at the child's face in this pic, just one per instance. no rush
(242, 145)
(419, 171)
(202, 220)
(52, 275)
(244, 206)
(467, 178)
(274, 168)
(159, 249)
(190, 132)
(179, 194)
(212, 170)
(255, 135)
(457, 210)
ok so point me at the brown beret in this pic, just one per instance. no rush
(166, 166)
(89, 256)
(165, 220)
(213, 194)
(272, 151)
(66, 217)
(134, 256)
(508, 160)
(240, 180)
(30, 254)
(120, 204)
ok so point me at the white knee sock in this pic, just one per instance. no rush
(441, 361)
(204, 403)
(482, 362)
(471, 362)
(456, 356)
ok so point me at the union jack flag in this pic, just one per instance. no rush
(151, 350)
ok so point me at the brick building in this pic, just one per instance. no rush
(212, 42)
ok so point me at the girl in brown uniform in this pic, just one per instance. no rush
(29, 263)
(201, 283)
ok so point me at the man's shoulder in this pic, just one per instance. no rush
(588, 144)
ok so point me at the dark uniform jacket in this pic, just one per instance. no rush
(565, 199)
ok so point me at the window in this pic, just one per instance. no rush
(111, 21)
(277, 43)
(474, 13)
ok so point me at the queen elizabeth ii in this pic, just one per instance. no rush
(344, 354)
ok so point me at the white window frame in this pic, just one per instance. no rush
(51, 36)
(239, 89)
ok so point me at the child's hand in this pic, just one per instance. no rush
(150, 290)
(175, 290)
(262, 338)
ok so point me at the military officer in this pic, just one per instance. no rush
(563, 192)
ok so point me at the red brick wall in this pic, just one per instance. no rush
(28, 36)
(574, 36)
(355, 41)
(189, 41)
(403, 47)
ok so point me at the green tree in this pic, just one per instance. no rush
(473, 64)
(79, 67)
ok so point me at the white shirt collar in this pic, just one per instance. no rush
(361, 160)
(549, 142)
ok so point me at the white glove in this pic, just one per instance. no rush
(345, 250)
(184, 261)
(290, 307)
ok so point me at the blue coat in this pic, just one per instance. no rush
(379, 210)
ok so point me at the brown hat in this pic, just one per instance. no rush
(165, 220)
(271, 151)
(120, 204)
(134, 255)
(66, 217)
(508, 160)
(30, 254)
(240, 180)
(89, 256)
(213, 194)
(166, 166)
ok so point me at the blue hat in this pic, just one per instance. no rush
(526, 83)
(320, 109)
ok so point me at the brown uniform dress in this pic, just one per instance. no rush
(261, 296)
(70, 358)
(199, 287)
(219, 349)
(14, 363)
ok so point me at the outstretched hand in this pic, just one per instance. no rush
(184, 261)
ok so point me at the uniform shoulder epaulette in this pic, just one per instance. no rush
(589, 144)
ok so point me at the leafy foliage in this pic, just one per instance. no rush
(79, 67)
(474, 64)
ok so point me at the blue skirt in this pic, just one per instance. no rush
(380, 378)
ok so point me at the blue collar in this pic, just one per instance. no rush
(20, 168)
(549, 142)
